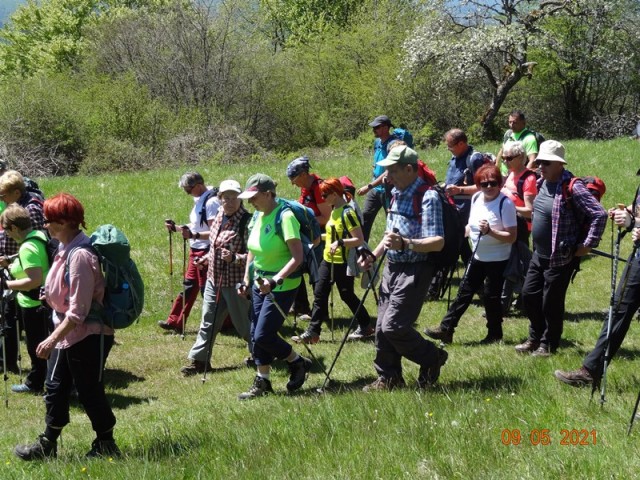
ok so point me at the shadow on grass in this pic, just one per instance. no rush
(117, 401)
(118, 379)
(596, 315)
(503, 383)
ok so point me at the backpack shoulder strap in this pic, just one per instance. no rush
(242, 226)
(343, 215)
(520, 183)
(203, 210)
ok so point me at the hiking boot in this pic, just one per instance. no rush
(170, 328)
(362, 333)
(304, 317)
(24, 388)
(578, 378)
(527, 347)
(261, 386)
(103, 448)
(42, 448)
(194, 368)
(250, 362)
(429, 375)
(384, 384)
(298, 373)
(439, 333)
(308, 337)
(541, 351)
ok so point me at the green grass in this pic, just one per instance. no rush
(171, 427)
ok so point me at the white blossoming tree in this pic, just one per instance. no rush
(488, 40)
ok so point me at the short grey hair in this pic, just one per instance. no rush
(514, 148)
(190, 180)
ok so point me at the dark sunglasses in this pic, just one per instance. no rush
(508, 159)
(490, 183)
(545, 163)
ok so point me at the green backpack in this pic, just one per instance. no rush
(124, 288)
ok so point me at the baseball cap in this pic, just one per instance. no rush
(400, 154)
(258, 183)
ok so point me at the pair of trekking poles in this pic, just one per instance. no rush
(184, 272)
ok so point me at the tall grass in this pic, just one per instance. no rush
(171, 427)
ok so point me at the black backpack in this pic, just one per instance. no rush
(452, 224)
(202, 216)
(51, 247)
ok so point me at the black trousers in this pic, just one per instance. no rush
(478, 272)
(322, 291)
(627, 302)
(543, 297)
(78, 365)
(37, 325)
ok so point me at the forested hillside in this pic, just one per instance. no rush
(90, 85)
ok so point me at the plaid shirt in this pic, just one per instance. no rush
(568, 219)
(8, 246)
(227, 236)
(402, 217)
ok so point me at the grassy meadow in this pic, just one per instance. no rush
(170, 427)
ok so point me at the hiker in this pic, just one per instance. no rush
(309, 183)
(76, 349)
(205, 208)
(375, 191)
(28, 272)
(492, 229)
(226, 259)
(344, 233)
(563, 230)
(407, 242)
(271, 274)
(627, 302)
(521, 188)
(30, 185)
(518, 131)
(14, 190)
(464, 163)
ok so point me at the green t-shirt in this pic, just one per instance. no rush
(337, 232)
(529, 143)
(32, 254)
(269, 249)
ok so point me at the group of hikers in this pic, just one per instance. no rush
(521, 206)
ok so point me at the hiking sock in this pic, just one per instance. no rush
(294, 358)
(266, 376)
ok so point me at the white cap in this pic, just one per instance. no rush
(230, 186)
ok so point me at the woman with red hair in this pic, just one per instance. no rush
(344, 232)
(75, 355)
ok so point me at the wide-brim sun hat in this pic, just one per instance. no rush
(551, 151)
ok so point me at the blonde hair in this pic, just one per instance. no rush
(12, 180)
(16, 215)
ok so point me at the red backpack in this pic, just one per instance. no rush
(426, 174)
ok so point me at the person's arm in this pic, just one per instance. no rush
(44, 348)
(33, 280)
(592, 209)
(325, 213)
(532, 161)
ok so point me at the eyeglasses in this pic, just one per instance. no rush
(188, 189)
(508, 159)
(490, 183)
(228, 198)
(544, 163)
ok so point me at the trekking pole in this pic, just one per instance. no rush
(272, 297)
(184, 286)
(215, 315)
(471, 259)
(600, 253)
(4, 348)
(331, 281)
(614, 275)
(633, 415)
(168, 220)
(19, 353)
(370, 286)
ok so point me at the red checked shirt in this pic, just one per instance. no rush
(224, 233)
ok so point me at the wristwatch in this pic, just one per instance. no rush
(411, 244)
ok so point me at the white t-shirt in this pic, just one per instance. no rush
(491, 249)
(211, 210)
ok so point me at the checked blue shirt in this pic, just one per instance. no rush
(402, 217)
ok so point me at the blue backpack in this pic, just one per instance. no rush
(124, 288)
(310, 235)
(404, 135)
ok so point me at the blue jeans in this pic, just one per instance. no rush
(266, 321)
